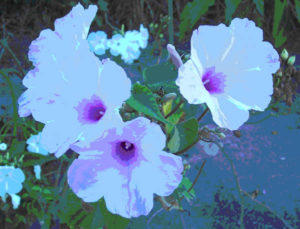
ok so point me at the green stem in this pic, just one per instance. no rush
(200, 170)
(171, 29)
(14, 102)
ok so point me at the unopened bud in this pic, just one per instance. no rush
(284, 54)
(291, 60)
(222, 135)
(168, 97)
(176, 59)
(279, 74)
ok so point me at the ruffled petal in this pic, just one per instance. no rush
(165, 169)
(90, 178)
(208, 46)
(63, 64)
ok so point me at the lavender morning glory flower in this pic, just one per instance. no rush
(11, 180)
(230, 70)
(126, 168)
(70, 90)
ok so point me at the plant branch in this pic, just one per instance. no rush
(200, 170)
(203, 113)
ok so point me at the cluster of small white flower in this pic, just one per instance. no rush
(128, 46)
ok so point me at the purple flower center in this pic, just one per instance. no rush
(125, 150)
(91, 111)
(213, 82)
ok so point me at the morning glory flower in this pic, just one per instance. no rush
(3, 146)
(70, 90)
(115, 44)
(98, 42)
(230, 70)
(126, 168)
(128, 46)
(123, 46)
(11, 180)
(34, 144)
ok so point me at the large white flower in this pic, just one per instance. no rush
(126, 167)
(230, 70)
(70, 90)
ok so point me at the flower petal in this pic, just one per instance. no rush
(226, 114)
(15, 200)
(190, 83)
(56, 139)
(113, 76)
(89, 178)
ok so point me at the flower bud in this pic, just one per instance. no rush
(279, 73)
(168, 97)
(284, 54)
(176, 59)
(291, 60)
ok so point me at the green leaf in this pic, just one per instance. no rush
(112, 220)
(259, 6)
(185, 134)
(159, 73)
(168, 86)
(70, 211)
(231, 6)
(191, 13)
(143, 100)
(278, 13)
(103, 5)
(17, 147)
(6, 102)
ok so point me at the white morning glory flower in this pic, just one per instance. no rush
(120, 45)
(34, 144)
(115, 44)
(230, 70)
(37, 171)
(11, 180)
(98, 42)
(128, 46)
(143, 37)
(126, 167)
(3, 146)
(70, 90)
